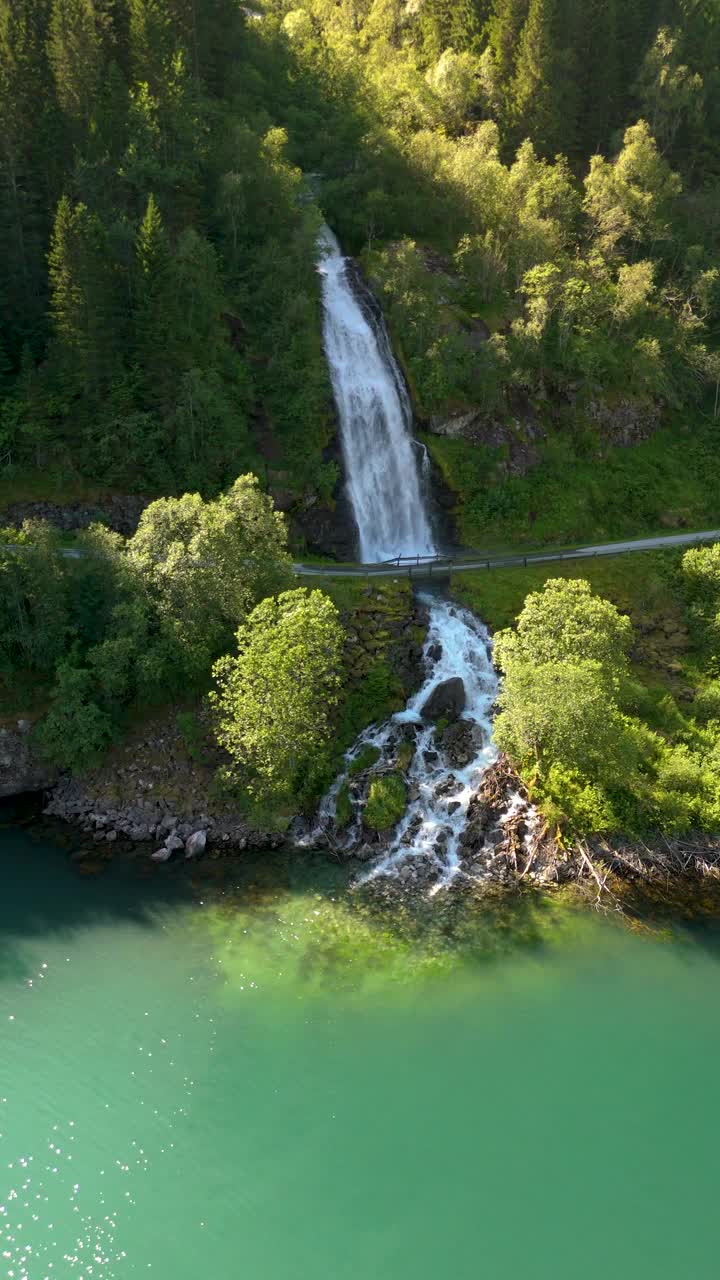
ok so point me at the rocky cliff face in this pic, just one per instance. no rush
(20, 770)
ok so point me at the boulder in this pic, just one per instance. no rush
(172, 843)
(447, 700)
(195, 844)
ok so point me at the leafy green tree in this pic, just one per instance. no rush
(205, 564)
(670, 93)
(562, 712)
(35, 621)
(701, 584)
(566, 621)
(76, 731)
(630, 198)
(455, 79)
(565, 673)
(275, 700)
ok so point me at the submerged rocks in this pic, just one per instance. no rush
(447, 700)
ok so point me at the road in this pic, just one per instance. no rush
(443, 566)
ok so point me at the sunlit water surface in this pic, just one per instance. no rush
(287, 1088)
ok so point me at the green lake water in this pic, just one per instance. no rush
(269, 1083)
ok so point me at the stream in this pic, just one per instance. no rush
(388, 492)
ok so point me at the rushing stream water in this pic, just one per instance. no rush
(390, 508)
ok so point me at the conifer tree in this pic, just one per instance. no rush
(84, 303)
(504, 28)
(28, 159)
(76, 51)
(538, 95)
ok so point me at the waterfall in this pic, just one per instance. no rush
(384, 467)
(381, 462)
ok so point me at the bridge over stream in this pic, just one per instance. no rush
(441, 567)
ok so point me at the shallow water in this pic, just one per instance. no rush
(276, 1083)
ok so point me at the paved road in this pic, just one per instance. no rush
(442, 567)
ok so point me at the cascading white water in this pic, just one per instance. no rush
(387, 499)
(381, 461)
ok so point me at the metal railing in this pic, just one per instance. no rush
(439, 565)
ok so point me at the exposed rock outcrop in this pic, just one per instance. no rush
(20, 768)
(518, 434)
(625, 422)
(120, 512)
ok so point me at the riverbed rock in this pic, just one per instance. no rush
(447, 700)
(462, 742)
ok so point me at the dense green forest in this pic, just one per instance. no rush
(550, 168)
(533, 190)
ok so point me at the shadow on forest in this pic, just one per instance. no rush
(370, 189)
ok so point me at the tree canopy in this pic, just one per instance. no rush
(274, 700)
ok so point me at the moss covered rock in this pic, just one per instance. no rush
(386, 802)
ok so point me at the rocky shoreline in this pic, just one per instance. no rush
(154, 821)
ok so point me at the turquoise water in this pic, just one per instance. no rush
(283, 1087)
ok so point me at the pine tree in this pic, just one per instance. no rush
(591, 29)
(504, 28)
(539, 90)
(76, 50)
(85, 304)
(153, 313)
(151, 42)
(28, 158)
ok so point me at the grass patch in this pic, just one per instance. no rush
(386, 802)
(640, 584)
(584, 492)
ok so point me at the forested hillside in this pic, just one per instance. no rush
(534, 186)
(157, 289)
